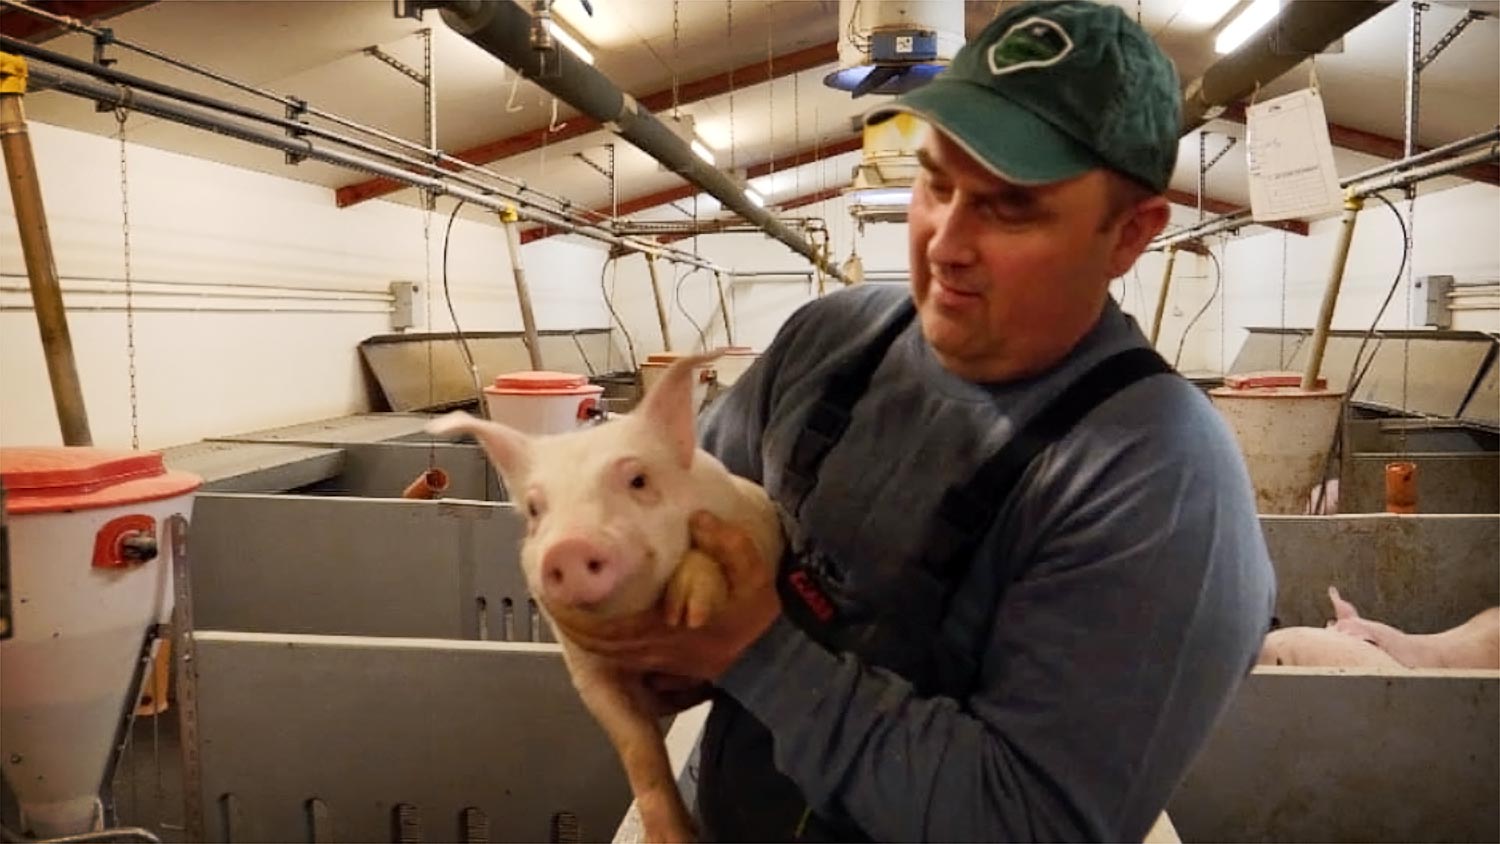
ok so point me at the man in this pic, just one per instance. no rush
(1026, 574)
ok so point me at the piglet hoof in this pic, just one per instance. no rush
(696, 591)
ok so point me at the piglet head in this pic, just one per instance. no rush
(606, 507)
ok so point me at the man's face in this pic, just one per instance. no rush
(1008, 278)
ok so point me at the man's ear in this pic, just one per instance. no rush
(1142, 223)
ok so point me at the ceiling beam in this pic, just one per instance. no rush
(1369, 143)
(663, 197)
(1219, 206)
(19, 25)
(785, 64)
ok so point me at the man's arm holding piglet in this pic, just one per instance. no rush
(1064, 723)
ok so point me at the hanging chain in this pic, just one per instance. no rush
(676, 46)
(135, 434)
(1411, 261)
(1223, 300)
(1282, 356)
(797, 130)
(729, 39)
(429, 201)
(770, 100)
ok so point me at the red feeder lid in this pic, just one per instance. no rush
(59, 479)
(1253, 380)
(669, 358)
(542, 383)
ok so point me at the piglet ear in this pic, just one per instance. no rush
(508, 449)
(669, 409)
(1342, 609)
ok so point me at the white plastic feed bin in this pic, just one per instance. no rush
(656, 366)
(734, 363)
(81, 520)
(540, 403)
(1284, 433)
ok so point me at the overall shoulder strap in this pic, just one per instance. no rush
(830, 416)
(968, 510)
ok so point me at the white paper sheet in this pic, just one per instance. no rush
(1292, 173)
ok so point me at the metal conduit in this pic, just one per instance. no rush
(129, 80)
(503, 30)
(166, 107)
(1365, 183)
(1304, 28)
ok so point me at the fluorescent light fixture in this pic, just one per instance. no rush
(1207, 12)
(702, 151)
(567, 40)
(883, 196)
(760, 201)
(1247, 24)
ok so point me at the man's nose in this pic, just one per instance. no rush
(952, 236)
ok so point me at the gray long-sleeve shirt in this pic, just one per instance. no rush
(1143, 594)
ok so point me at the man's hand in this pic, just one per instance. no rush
(646, 642)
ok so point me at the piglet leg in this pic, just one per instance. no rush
(638, 740)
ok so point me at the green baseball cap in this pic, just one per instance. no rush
(1050, 90)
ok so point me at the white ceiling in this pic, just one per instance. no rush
(314, 50)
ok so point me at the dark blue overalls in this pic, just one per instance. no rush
(742, 797)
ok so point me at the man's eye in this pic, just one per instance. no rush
(638, 482)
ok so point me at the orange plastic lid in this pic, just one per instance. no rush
(59, 479)
(1255, 380)
(669, 358)
(542, 383)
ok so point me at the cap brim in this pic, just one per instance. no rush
(1009, 140)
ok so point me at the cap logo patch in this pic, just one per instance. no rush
(1034, 42)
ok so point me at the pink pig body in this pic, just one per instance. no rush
(1473, 644)
(1319, 646)
(607, 512)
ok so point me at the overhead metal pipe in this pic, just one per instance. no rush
(1304, 28)
(36, 252)
(724, 309)
(1352, 206)
(1426, 165)
(508, 219)
(503, 30)
(661, 305)
(84, 85)
(1161, 297)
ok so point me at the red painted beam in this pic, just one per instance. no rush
(1381, 146)
(687, 92)
(651, 200)
(1219, 206)
(20, 25)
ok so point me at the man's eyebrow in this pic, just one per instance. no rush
(926, 161)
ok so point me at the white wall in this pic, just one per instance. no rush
(758, 306)
(1457, 233)
(205, 374)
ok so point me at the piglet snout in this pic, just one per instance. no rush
(578, 572)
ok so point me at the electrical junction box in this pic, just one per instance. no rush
(1429, 301)
(406, 307)
(903, 45)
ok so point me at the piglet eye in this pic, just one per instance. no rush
(638, 482)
